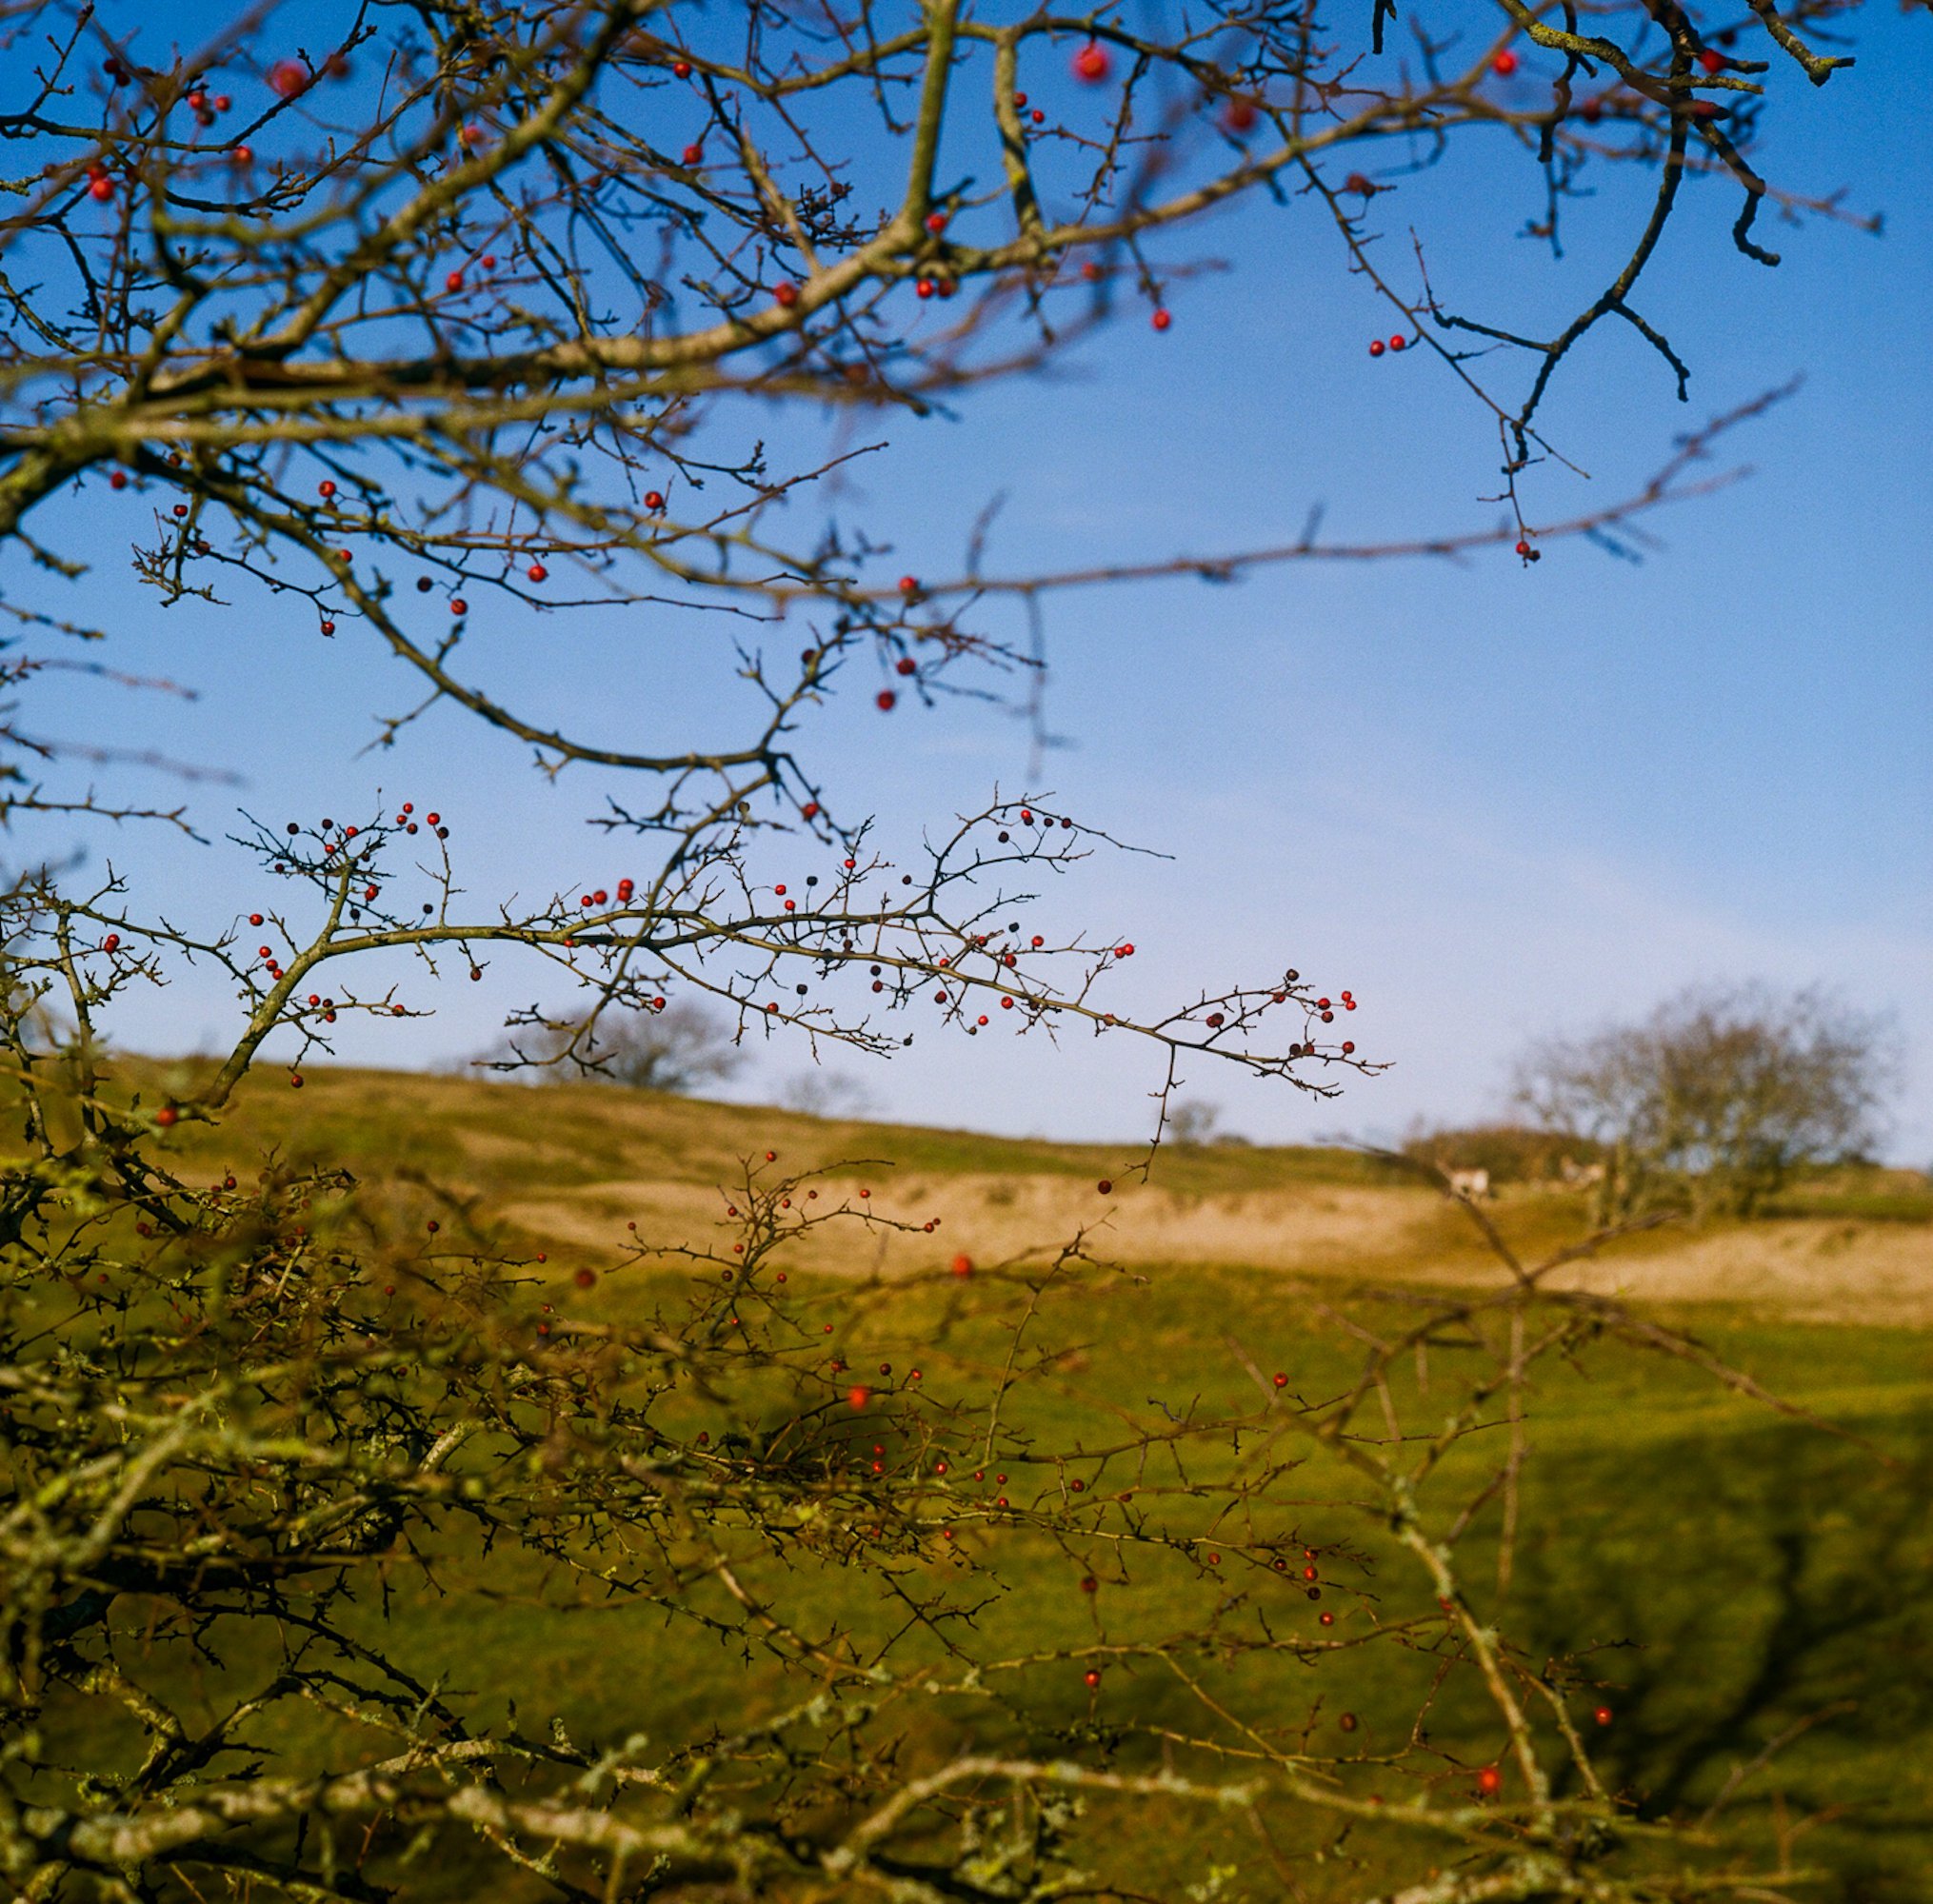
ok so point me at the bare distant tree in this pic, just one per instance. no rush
(677, 1048)
(821, 1093)
(1718, 1094)
(1193, 1121)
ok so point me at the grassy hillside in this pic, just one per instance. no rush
(560, 1134)
(1753, 1596)
(567, 1168)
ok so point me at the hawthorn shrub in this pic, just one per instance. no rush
(420, 318)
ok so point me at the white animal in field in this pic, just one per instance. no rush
(1475, 1185)
(1580, 1175)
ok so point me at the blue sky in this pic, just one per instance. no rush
(1495, 802)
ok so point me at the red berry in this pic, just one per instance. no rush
(288, 77)
(786, 293)
(101, 189)
(905, 664)
(858, 1397)
(1602, 1716)
(1161, 319)
(1104, 1187)
(295, 1081)
(1280, 1380)
(167, 1115)
(537, 572)
(680, 68)
(924, 287)
(243, 155)
(1504, 64)
(117, 479)
(1091, 64)
(1349, 1045)
(1489, 1781)
(1522, 548)
(963, 1265)
(909, 584)
(325, 489)
(693, 154)
(1124, 951)
(1376, 346)
(885, 700)
(1399, 343)
(458, 606)
(936, 222)
(653, 501)
(1239, 115)
(1712, 62)
(454, 281)
(1092, 1677)
(223, 102)
(1039, 117)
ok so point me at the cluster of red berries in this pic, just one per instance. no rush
(434, 821)
(205, 106)
(1377, 347)
(455, 282)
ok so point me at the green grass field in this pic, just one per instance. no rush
(1752, 1597)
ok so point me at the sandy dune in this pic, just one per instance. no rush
(1805, 1268)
